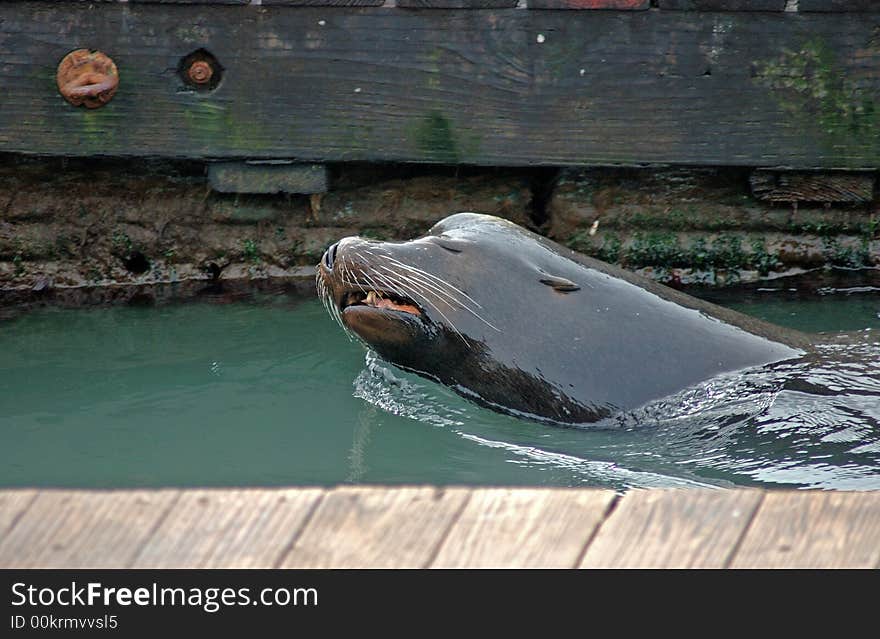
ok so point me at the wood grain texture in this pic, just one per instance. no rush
(493, 87)
(326, 3)
(615, 5)
(377, 528)
(249, 528)
(672, 529)
(456, 4)
(813, 530)
(520, 528)
(179, 1)
(13, 504)
(838, 5)
(79, 529)
(722, 5)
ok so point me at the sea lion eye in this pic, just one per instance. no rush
(447, 244)
(559, 284)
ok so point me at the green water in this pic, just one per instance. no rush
(273, 393)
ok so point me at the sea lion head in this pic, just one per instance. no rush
(410, 301)
(439, 306)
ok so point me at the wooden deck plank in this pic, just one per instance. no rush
(813, 530)
(80, 529)
(359, 527)
(521, 528)
(13, 503)
(249, 528)
(672, 529)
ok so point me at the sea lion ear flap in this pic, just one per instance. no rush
(559, 284)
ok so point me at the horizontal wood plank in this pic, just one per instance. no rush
(722, 5)
(228, 528)
(838, 5)
(326, 3)
(456, 4)
(608, 5)
(813, 530)
(377, 528)
(673, 529)
(176, 1)
(493, 87)
(519, 528)
(80, 529)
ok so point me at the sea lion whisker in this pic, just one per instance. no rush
(433, 277)
(442, 314)
(421, 285)
(413, 282)
(378, 287)
(389, 285)
(429, 286)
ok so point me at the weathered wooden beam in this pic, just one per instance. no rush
(456, 4)
(267, 177)
(838, 5)
(326, 3)
(723, 5)
(792, 186)
(616, 5)
(491, 87)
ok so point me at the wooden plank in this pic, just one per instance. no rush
(495, 87)
(615, 5)
(791, 186)
(250, 528)
(249, 177)
(178, 1)
(79, 529)
(361, 527)
(456, 4)
(326, 3)
(813, 530)
(838, 5)
(13, 504)
(672, 529)
(521, 528)
(722, 5)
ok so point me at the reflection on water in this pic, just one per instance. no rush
(273, 393)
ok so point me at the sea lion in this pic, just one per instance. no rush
(524, 326)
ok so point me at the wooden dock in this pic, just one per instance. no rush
(417, 527)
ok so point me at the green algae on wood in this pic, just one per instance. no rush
(435, 140)
(825, 98)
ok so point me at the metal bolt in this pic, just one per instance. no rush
(200, 72)
(87, 78)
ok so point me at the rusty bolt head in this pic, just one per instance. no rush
(87, 78)
(200, 72)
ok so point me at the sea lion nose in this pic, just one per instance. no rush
(330, 256)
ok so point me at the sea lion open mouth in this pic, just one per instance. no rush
(379, 299)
